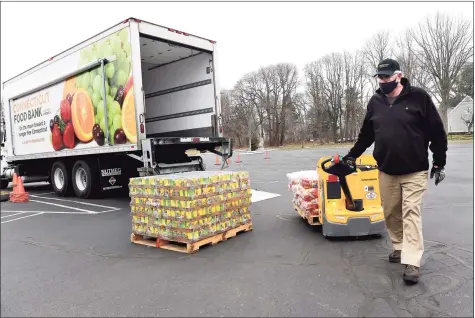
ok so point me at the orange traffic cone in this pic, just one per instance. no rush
(21, 188)
(217, 161)
(267, 155)
(238, 158)
(18, 194)
(15, 183)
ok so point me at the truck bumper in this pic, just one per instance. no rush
(354, 227)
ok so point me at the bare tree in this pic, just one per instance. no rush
(467, 118)
(270, 99)
(405, 54)
(354, 72)
(288, 80)
(230, 126)
(333, 90)
(246, 104)
(443, 47)
(249, 91)
(377, 48)
(264, 101)
(318, 116)
(464, 85)
(298, 121)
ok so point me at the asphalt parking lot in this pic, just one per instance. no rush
(71, 257)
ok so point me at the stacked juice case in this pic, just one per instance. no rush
(190, 206)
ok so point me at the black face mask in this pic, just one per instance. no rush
(388, 87)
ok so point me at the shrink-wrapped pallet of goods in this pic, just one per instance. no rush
(304, 186)
(189, 207)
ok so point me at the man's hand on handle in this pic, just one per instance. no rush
(438, 172)
(349, 160)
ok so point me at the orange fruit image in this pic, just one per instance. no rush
(69, 87)
(82, 114)
(128, 117)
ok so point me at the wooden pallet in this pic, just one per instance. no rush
(189, 247)
(311, 219)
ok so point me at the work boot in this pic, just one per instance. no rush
(395, 257)
(411, 274)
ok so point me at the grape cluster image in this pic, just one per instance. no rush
(117, 89)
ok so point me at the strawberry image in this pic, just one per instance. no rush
(65, 110)
(69, 136)
(129, 84)
(56, 138)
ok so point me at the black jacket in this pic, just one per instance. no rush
(402, 132)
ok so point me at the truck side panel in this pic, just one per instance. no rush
(56, 67)
(59, 120)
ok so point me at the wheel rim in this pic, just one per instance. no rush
(81, 179)
(59, 178)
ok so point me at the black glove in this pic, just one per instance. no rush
(438, 172)
(349, 160)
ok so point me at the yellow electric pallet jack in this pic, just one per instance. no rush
(349, 203)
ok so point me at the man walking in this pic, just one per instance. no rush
(402, 121)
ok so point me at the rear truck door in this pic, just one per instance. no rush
(218, 119)
(170, 86)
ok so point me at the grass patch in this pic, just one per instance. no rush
(460, 137)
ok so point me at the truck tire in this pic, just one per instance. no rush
(84, 179)
(60, 179)
(4, 184)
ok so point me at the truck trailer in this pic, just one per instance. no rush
(129, 101)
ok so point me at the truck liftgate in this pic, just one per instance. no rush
(168, 154)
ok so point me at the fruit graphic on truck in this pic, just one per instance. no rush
(82, 113)
(82, 103)
(118, 81)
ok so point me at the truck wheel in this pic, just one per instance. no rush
(84, 179)
(60, 179)
(4, 184)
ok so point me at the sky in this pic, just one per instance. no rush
(249, 35)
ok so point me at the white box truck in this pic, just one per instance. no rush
(129, 101)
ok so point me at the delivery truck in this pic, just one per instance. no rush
(131, 100)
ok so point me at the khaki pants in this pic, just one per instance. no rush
(402, 203)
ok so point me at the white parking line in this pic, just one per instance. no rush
(63, 206)
(39, 194)
(7, 216)
(79, 202)
(261, 195)
(3, 211)
(52, 212)
(23, 217)
(106, 211)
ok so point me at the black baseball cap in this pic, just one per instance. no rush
(387, 67)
